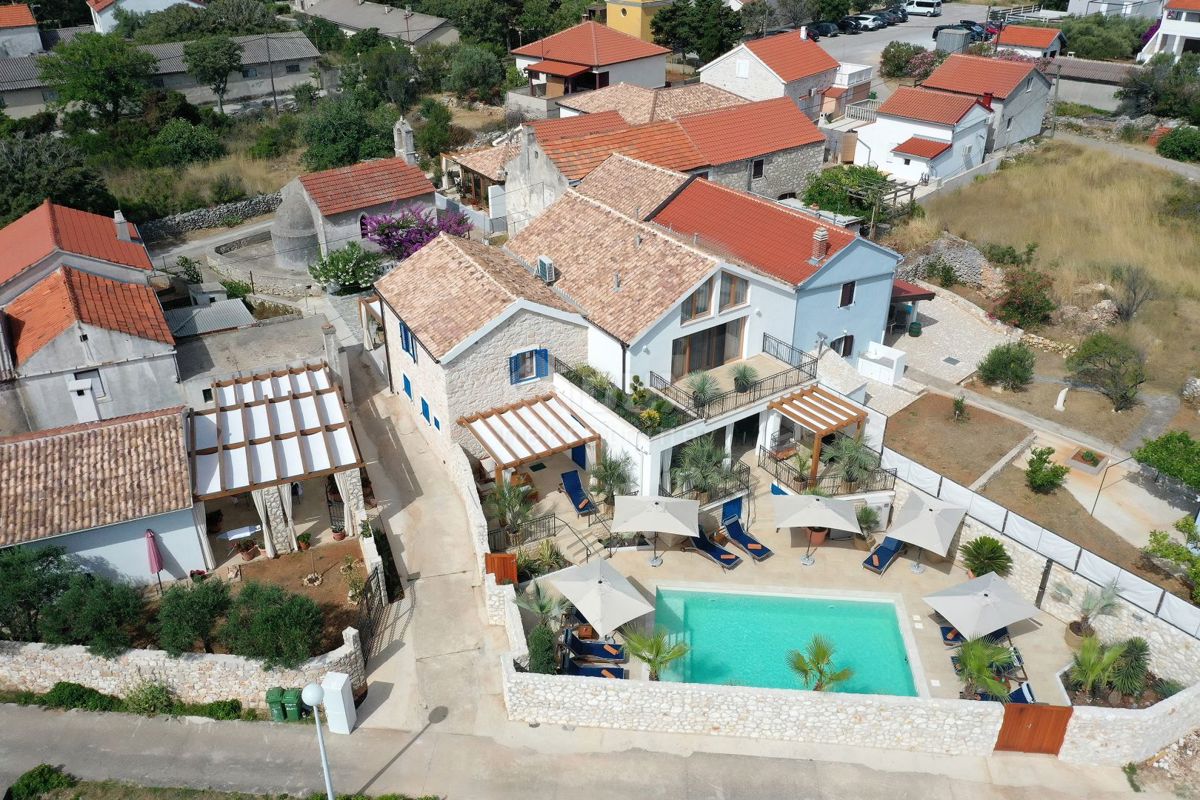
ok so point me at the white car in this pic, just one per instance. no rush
(869, 22)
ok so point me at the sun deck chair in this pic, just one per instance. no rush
(1023, 694)
(996, 637)
(592, 650)
(596, 670)
(579, 498)
(751, 546)
(710, 549)
(950, 636)
(882, 556)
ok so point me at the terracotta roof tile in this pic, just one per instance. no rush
(639, 105)
(751, 130)
(464, 285)
(548, 130)
(1027, 36)
(100, 5)
(50, 306)
(631, 187)
(16, 15)
(369, 183)
(662, 143)
(791, 56)
(940, 108)
(762, 234)
(487, 161)
(592, 44)
(1184, 5)
(86, 476)
(977, 75)
(921, 148)
(50, 227)
(559, 68)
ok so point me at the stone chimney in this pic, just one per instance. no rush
(404, 142)
(337, 360)
(123, 231)
(820, 244)
(986, 100)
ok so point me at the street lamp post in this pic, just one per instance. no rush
(313, 695)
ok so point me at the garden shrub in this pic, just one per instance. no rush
(1110, 365)
(273, 141)
(350, 267)
(227, 188)
(236, 289)
(188, 615)
(1026, 300)
(942, 271)
(1181, 144)
(845, 190)
(275, 626)
(1007, 255)
(95, 612)
(1175, 454)
(1041, 474)
(1008, 365)
(41, 780)
(541, 650)
(67, 695)
(149, 698)
(179, 143)
(189, 268)
(893, 61)
(31, 581)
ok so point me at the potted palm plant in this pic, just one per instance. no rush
(978, 662)
(248, 548)
(1096, 603)
(744, 376)
(1093, 664)
(701, 467)
(509, 505)
(611, 476)
(656, 650)
(854, 458)
(704, 389)
(814, 665)
(868, 521)
(986, 554)
(549, 609)
(304, 540)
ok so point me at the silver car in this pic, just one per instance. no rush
(869, 22)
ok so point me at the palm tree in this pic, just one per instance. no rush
(1096, 603)
(1093, 664)
(701, 465)
(611, 476)
(510, 506)
(548, 608)
(655, 650)
(815, 665)
(854, 458)
(987, 554)
(978, 660)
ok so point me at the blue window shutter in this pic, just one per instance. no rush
(775, 489)
(407, 387)
(542, 359)
(437, 423)
(514, 368)
(425, 409)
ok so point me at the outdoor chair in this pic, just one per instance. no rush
(579, 498)
(596, 670)
(594, 650)
(996, 637)
(751, 546)
(713, 551)
(882, 556)
(950, 636)
(1023, 694)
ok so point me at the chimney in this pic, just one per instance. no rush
(403, 141)
(337, 360)
(803, 32)
(387, 9)
(123, 232)
(83, 399)
(820, 244)
(986, 100)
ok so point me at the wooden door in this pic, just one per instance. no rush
(1033, 728)
(503, 566)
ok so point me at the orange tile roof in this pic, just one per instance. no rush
(977, 75)
(940, 108)
(921, 148)
(747, 131)
(17, 15)
(763, 234)
(639, 105)
(592, 44)
(1027, 36)
(661, 143)
(791, 56)
(50, 306)
(1184, 5)
(559, 68)
(369, 183)
(50, 227)
(548, 130)
(100, 5)
(634, 188)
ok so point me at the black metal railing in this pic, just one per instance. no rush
(547, 526)
(790, 355)
(788, 474)
(734, 484)
(608, 394)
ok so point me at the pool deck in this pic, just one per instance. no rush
(838, 572)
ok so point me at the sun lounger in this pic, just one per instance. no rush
(596, 670)
(579, 498)
(950, 636)
(996, 637)
(707, 547)
(1022, 694)
(594, 650)
(882, 556)
(752, 547)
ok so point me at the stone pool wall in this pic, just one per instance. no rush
(1118, 735)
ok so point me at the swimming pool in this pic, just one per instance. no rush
(745, 639)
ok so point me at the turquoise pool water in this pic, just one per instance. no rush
(745, 639)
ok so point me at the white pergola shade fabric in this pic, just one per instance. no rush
(926, 525)
(656, 515)
(270, 429)
(524, 432)
(819, 411)
(811, 511)
(605, 598)
(981, 605)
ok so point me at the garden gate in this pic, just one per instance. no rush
(1033, 728)
(372, 610)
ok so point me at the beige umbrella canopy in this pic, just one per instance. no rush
(981, 605)
(930, 526)
(656, 515)
(601, 594)
(812, 511)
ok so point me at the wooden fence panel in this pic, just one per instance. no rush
(1033, 728)
(503, 566)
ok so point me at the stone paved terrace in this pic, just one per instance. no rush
(951, 328)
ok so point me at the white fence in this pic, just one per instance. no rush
(1138, 591)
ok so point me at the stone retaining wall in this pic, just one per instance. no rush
(194, 677)
(211, 217)
(1118, 735)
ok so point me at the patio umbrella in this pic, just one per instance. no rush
(981, 605)
(602, 595)
(656, 515)
(813, 511)
(155, 557)
(930, 526)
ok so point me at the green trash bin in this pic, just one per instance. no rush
(275, 703)
(292, 704)
(914, 329)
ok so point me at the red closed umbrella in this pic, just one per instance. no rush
(156, 562)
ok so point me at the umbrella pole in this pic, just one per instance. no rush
(656, 559)
(808, 560)
(159, 576)
(917, 567)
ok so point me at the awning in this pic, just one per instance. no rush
(270, 429)
(819, 411)
(559, 68)
(917, 147)
(528, 431)
(905, 292)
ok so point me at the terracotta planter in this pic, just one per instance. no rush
(1074, 640)
(303, 545)
(339, 535)
(249, 555)
(817, 535)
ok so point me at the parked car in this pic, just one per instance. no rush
(811, 34)
(869, 22)
(975, 28)
(826, 28)
(992, 28)
(849, 25)
(887, 16)
(972, 35)
(901, 10)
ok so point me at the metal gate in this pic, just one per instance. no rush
(1033, 728)
(372, 611)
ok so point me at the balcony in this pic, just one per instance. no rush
(831, 482)
(784, 367)
(734, 484)
(638, 409)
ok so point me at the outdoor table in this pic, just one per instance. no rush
(240, 533)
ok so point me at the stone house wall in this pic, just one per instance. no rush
(784, 172)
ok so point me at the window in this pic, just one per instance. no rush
(844, 346)
(907, 161)
(92, 375)
(206, 395)
(407, 386)
(1029, 84)
(742, 66)
(733, 291)
(703, 174)
(437, 423)
(425, 409)
(699, 304)
(408, 342)
(292, 69)
(1008, 124)
(528, 366)
(624, 12)
(707, 349)
(847, 294)
(249, 72)
(757, 167)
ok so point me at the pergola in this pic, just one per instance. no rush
(820, 411)
(528, 431)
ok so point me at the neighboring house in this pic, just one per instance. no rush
(481, 175)
(638, 105)
(922, 134)
(852, 84)
(783, 65)
(1035, 42)
(18, 31)
(95, 489)
(1016, 91)
(392, 22)
(1092, 83)
(769, 148)
(590, 56)
(1150, 9)
(85, 348)
(1178, 31)
(633, 16)
(104, 12)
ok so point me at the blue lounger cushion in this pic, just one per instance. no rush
(707, 547)
(998, 635)
(882, 556)
(752, 547)
(950, 636)
(594, 650)
(1023, 694)
(596, 670)
(579, 498)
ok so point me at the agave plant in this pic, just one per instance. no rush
(987, 554)
(655, 650)
(704, 389)
(548, 608)
(978, 661)
(1129, 672)
(854, 458)
(814, 665)
(744, 376)
(701, 465)
(1093, 664)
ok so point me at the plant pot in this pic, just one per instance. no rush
(339, 535)
(741, 386)
(864, 542)
(303, 545)
(249, 555)
(1073, 639)
(817, 535)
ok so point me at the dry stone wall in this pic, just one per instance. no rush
(211, 217)
(1118, 736)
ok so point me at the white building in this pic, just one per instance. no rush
(783, 65)
(1035, 42)
(18, 31)
(392, 22)
(1017, 92)
(921, 134)
(104, 12)
(1178, 31)
(590, 56)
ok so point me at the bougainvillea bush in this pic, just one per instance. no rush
(400, 235)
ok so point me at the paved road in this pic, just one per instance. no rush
(864, 48)
(1189, 171)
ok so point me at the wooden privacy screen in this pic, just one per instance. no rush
(1033, 728)
(503, 566)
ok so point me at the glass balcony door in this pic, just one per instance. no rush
(706, 349)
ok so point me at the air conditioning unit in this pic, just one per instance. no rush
(545, 269)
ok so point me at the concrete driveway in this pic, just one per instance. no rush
(864, 48)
